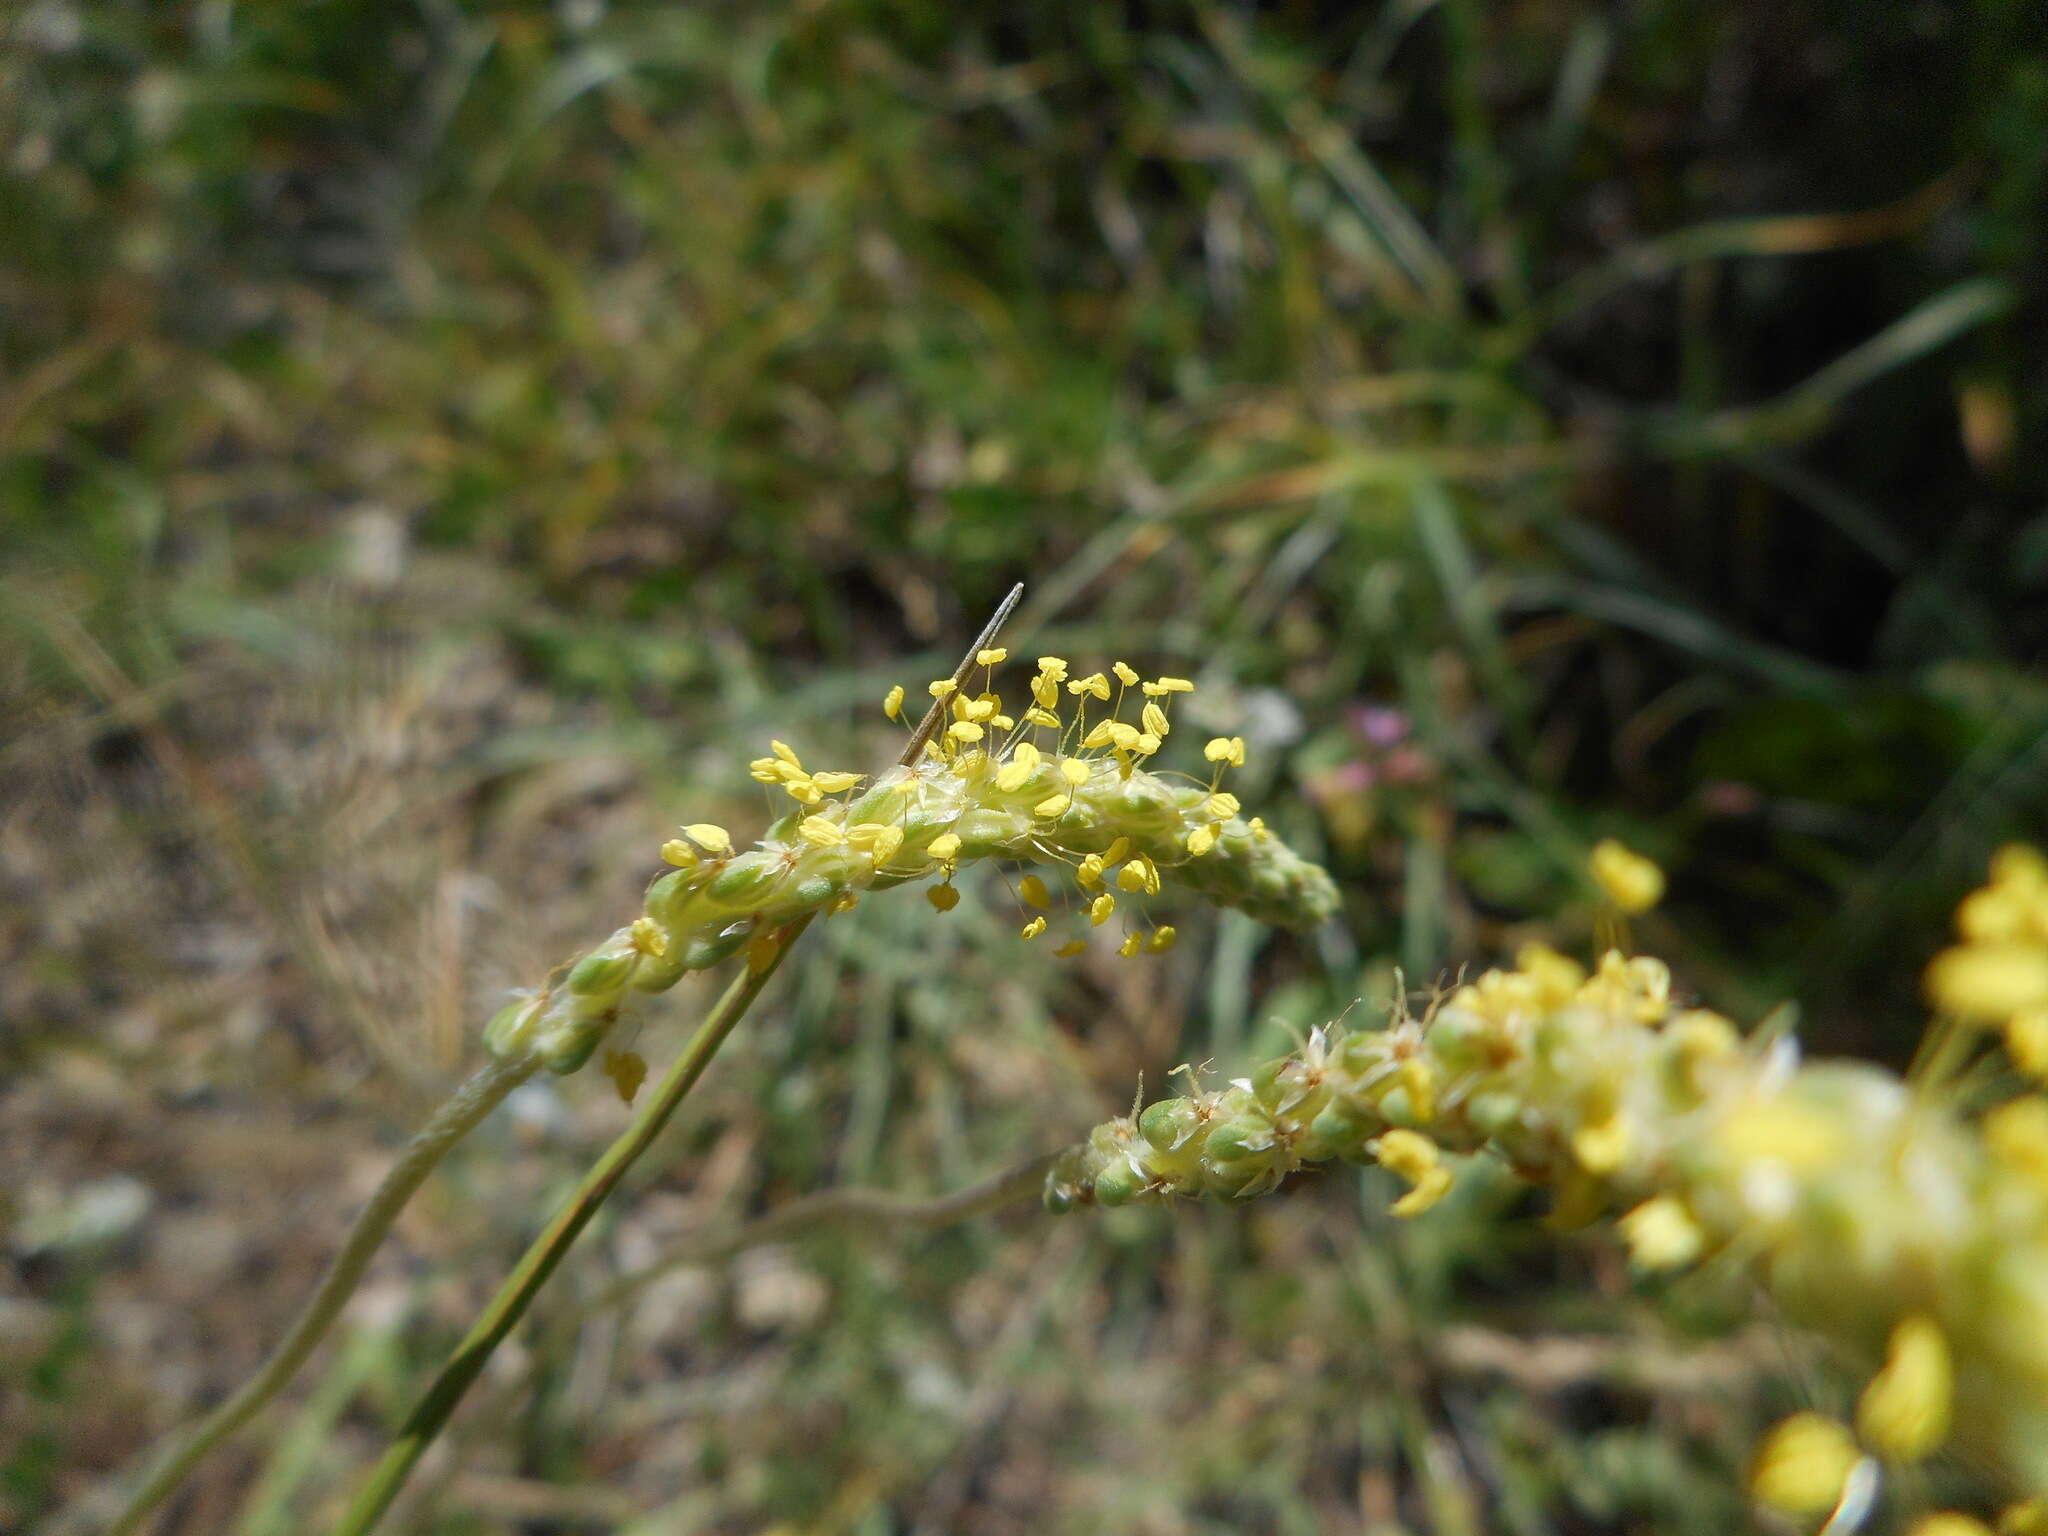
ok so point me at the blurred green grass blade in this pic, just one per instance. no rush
(1684, 628)
(1458, 574)
(1773, 235)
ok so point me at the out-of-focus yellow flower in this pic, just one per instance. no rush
(1904, 1412)
(1989, 983)
(1661, 1234)
(1803, 1464)
(1632, 882)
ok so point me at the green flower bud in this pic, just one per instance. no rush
(1168, 1123)
(744, 880)
(669, 898)
(1118, 1184)
(707, 949)
(511, 1030)
(1235, 1140)
(600, 973)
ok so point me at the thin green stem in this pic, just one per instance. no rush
(1012, 1186)
(458, 1115)
(538, 1263)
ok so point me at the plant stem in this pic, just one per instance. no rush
(458, 1114)
(430, 1414)
(546, 1251)
(882, 1207)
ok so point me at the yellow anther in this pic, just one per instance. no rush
(1124, 674)
(1032, 892)
(786, 752)
(941, 688)
(821, 831)
(709, 836)
(2026, 1041)
(767, 770)
(1410, 1154)
(1418, 1078)
(1117, 849)
(878, 840)
(1071, 948)
(1225, 749)
(1259, 830)
(1903, 1414)
(1131, 945)
(1022, 764)
(1165, 685)
(1088, 873)
(1163, 938)
(626, 1069)
(964, 730)
(1001, 723)
(1780, 1130)
(1602, 1145)
(802, 788)
(1044, 717)
(1052, 806)
(648, 938)
(1054, 667)
(834, 783)
(680, 853)
(2017, 1135)
(1200, 841)
(1555, 977)
(1098, 736)
(1075, 771)
(1032, 929)
(943, 898)
(1801, 1467)
(1629, 880)
(1145, 745)
(1153, 718)
(1094, 683)
(1122, 735)
(1434, 1186)
(1413, 1157)
(1221, 806)
(945, 847)
(1661, 1234)
(1703, 1035)
(1949, 1522)
(977, 709)
(1989, 982)
(845, 902)
(1045, 691)
(2018, 864)
(1132, 877)
(1101, 909)
(892, 702)
(993, 657)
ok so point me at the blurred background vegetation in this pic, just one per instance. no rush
(440, 442)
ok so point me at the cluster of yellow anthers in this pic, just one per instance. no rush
(1050, 787)
(1998, 975)
(1873, 1209)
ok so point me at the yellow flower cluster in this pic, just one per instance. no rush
(1998, 975)
(1060, 783)
(1873, 1209)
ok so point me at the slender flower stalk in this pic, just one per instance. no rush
(1874, 1210)
(457, 1116)
(974, 783)
(981, 787)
